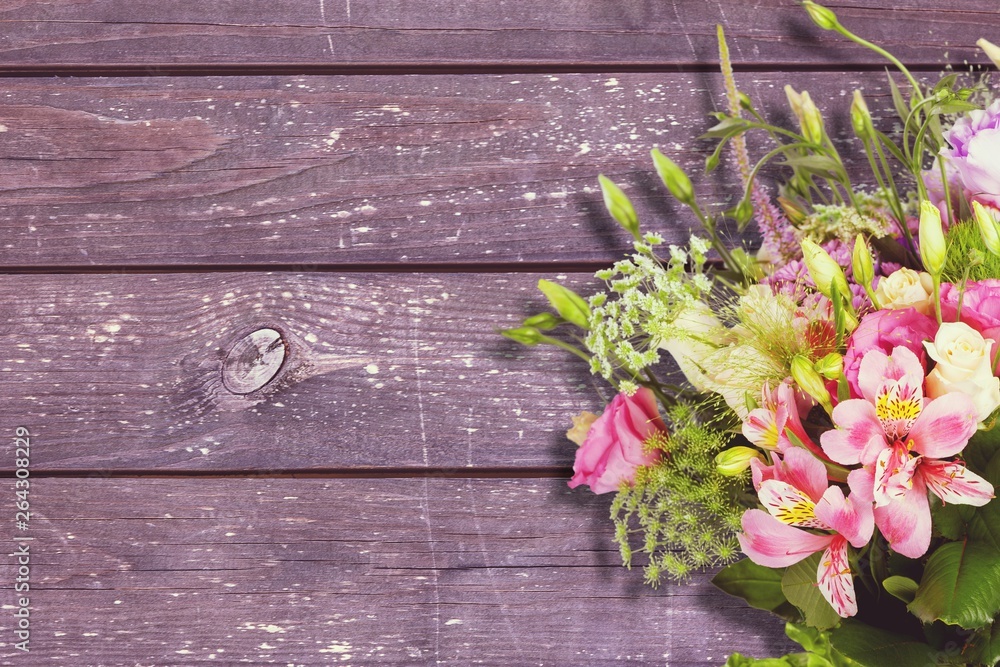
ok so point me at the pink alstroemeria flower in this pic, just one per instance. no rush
(900, 437)
(797, 495)
(769, 425)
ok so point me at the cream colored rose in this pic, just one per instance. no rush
(906, 288)
(963, 365)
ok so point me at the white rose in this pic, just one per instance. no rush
(906, 288)
(963, 365)
(698, 334)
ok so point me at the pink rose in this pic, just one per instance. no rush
(980, 307)
(613, 449)
(885, 330)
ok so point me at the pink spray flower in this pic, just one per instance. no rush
(614, 447)
(796, 494)
(768, 426)
(900, 439)
(886, 330)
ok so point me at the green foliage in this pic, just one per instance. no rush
(901, 588)
(873, 647)
(799, 586)
(683, 511)
(964, 238)
(960, 586)
(818, 652)
(984, 647)
(760, 586)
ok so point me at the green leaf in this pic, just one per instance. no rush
(950, 520)
(984, 524)
(946, 83)
(984, 647)
(902, 108)
(799, 586)
(960, 586)
(760, 586)
(570, 306)
(820, 165)
(729, 127)
(872, 647)
(902, 588)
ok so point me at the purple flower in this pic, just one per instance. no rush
(972, 162)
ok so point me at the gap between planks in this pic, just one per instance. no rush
(439, 472)
(307, 267)
(430, 69)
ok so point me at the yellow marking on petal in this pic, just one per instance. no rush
(798, 513)
(891, 408)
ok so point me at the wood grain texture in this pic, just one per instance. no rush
(361, 572)
(338, 171)
(124, 372)
(146, 33)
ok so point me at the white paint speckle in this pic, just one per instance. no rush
(371, 369)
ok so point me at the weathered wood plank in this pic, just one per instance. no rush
(310, 572)
(126, 372)
(651, 32)
(354, 170)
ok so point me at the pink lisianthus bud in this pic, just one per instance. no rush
(615, 444)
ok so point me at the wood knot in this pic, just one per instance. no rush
(254, 361)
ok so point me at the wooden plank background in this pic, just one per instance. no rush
(383, 183)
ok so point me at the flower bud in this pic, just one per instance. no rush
(523, 335)
(863, 264)
(543, 321)
(619, 206)
(821, 16)
(567, 303)
(831, 366)
(861, 118)
(795, 213)
(744, 100)
(674, 178)
(810, 381)
(987, 227)
(933, 249)
(811, 120)
(992, 51)
(794, 101)
(735, 460)
(824, 271)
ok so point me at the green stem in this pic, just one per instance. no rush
(565, 346)
(885, 54)
(947, 190)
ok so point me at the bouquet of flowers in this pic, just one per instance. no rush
(833, 441)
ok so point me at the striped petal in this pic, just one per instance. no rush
(835, 580)
(789, 505)
(952, 482)
(768, 542)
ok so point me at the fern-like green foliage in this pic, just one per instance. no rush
(681, 512)
(965, 242)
